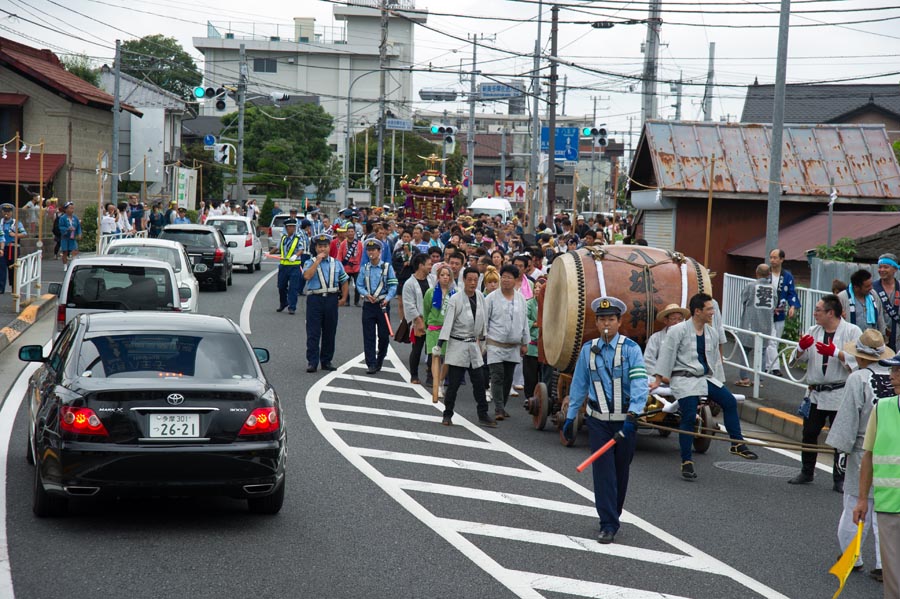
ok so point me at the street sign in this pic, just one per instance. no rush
(209, 139)
(467, 173)
(398, 124)
(513, 190)
(374, 175)
(520, 188)
(566, 146)
(497, 91)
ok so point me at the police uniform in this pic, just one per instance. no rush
(379, 281)
(326, 282)
(289, 268)
(303, 234)
(611, 375)
(9, 228)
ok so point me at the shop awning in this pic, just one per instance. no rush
(30, 170)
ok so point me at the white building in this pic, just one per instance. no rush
(329, 64)
(153, 140)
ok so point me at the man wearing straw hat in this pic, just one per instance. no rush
(671, 315)
(864, 388)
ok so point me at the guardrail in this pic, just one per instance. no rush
(104, 240)
(739, 359)
(28, 278)
(731, 301)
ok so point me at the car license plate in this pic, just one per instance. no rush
(174, 426)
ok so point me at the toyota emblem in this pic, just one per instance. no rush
(175, 399)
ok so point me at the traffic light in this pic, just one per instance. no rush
(446, 131)
(222, 154)
(210, 93)
(599, 135)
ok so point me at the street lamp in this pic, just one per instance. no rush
(347, 138)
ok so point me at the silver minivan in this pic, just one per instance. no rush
(111, 283)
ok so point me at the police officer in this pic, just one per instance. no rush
(305, 249)
(610, 374)
(289, 268)
(10, 232)
(325, 281)
(377, 283)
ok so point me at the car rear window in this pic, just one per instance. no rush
(163, 254)
(110, 287)
(191, 237)
(229, 227)
(205, 355)
(279, 219)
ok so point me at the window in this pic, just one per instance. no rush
(10, 122)
(190, 237)
(164, 254)
(110, 287)
(229, 227)
(265, 65)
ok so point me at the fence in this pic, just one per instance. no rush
(104, 240)
(739, 359)
(28, 278)
(824, 272)
(731, 301)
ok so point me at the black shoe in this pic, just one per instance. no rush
(447, 421)
(838, 486)
(801, 479)
(498, 415)
(280, 309)
(877, 574)
(606, 537)
(776, 372)
(311, 369)
(741, 449)
(371, 370)
(329, 366)
(687, 471)
(487, 421)
(506, 415)
(291, 312)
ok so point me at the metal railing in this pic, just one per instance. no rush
(104, 240)
(731, 301)
(28, 278)
(739, 359)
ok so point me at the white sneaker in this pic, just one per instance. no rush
(514, 393)
(518, 387)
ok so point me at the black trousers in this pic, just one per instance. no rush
(531, 374)
(812, 426)
(501, 383)
(415, 355)
(454, 378)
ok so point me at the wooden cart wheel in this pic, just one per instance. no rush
(540, 406)
(561, 420)
(704, 425)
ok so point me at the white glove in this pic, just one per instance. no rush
(436, 350)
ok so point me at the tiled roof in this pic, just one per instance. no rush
(44, 67)
(820, 103)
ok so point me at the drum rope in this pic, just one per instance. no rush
(778, 444)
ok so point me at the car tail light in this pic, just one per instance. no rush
(269, 231)
(82, 421)
(261, 421)
(249, 241)
(220, 255)
(60, 317)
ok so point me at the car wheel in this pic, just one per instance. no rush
(222, 285)
(258, 265)
(270, 504)
(230, 274)
(29, 453)
(250, 268)
(43, 504)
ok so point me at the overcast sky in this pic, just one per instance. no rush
(743, 53)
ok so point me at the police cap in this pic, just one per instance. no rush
(608, 306)
(6, 207)
(322, 238)
(373, 244)
(291, 222)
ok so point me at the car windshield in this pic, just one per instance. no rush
(112, 287)
(191, 237)
(164, 254)
(229, 227)
(197, 355)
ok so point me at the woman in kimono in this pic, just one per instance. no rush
(435, 308)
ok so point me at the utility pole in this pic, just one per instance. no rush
(551, 125)
(593, 124)
(470, 134)
(774, 209)
(564, 91)
(242, 100)
(444, 149)
(678, 88)
(503, 162)
(651, 57)
(536, 123)
(117, 70)
(382, 106)
(393, 153)
(710, 77)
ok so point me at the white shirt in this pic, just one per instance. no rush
(107, 224)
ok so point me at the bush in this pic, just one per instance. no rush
(843, 250)
(194, 216)
(265, 213)
(88, 241)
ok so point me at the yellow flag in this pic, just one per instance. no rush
(845, 563)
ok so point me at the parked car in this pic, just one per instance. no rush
(208, 250)
(240, 230)
(276, 229)
(114, 283)
(492, 207)
(171, 252)
(171, 405)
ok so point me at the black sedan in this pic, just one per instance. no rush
(208, 250)
(172, 405)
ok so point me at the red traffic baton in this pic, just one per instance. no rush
(594, 456)
(387, 319)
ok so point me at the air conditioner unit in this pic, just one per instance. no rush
(229, 36)
(274, 38)
(495, 128)
(291, 61)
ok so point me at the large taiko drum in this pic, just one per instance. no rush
(647, 279)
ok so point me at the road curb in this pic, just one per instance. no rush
(777, 421)
(27, 317)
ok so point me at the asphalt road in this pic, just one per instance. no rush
(382, 501)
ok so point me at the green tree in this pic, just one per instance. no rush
(843, 250)
(162, 61)
(80, 66)
(213, 179)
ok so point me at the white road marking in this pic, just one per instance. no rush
(380, 381)
(794, 455)
(247, 306)
(383, 368)
(375, 394)
(523, 584)
(417, 436)
(378, 412)
(415, 458)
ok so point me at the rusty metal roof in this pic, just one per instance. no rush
(857, 160)
(810, 232)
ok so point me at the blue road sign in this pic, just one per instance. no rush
(209, 139)
(566, 146)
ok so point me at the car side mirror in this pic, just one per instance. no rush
(32, 353)
(232, 244)
(262, 354)
(54, 288)
(184, 293)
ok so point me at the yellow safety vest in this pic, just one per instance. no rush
(286, 252)
(886, 456)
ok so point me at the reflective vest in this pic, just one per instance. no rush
(288, 250)
(886, 456)
(609, 409)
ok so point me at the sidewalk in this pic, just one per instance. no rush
(12, 324)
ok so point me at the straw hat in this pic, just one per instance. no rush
(672, 308)
(870, 346)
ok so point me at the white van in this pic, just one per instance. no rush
(492, 207)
